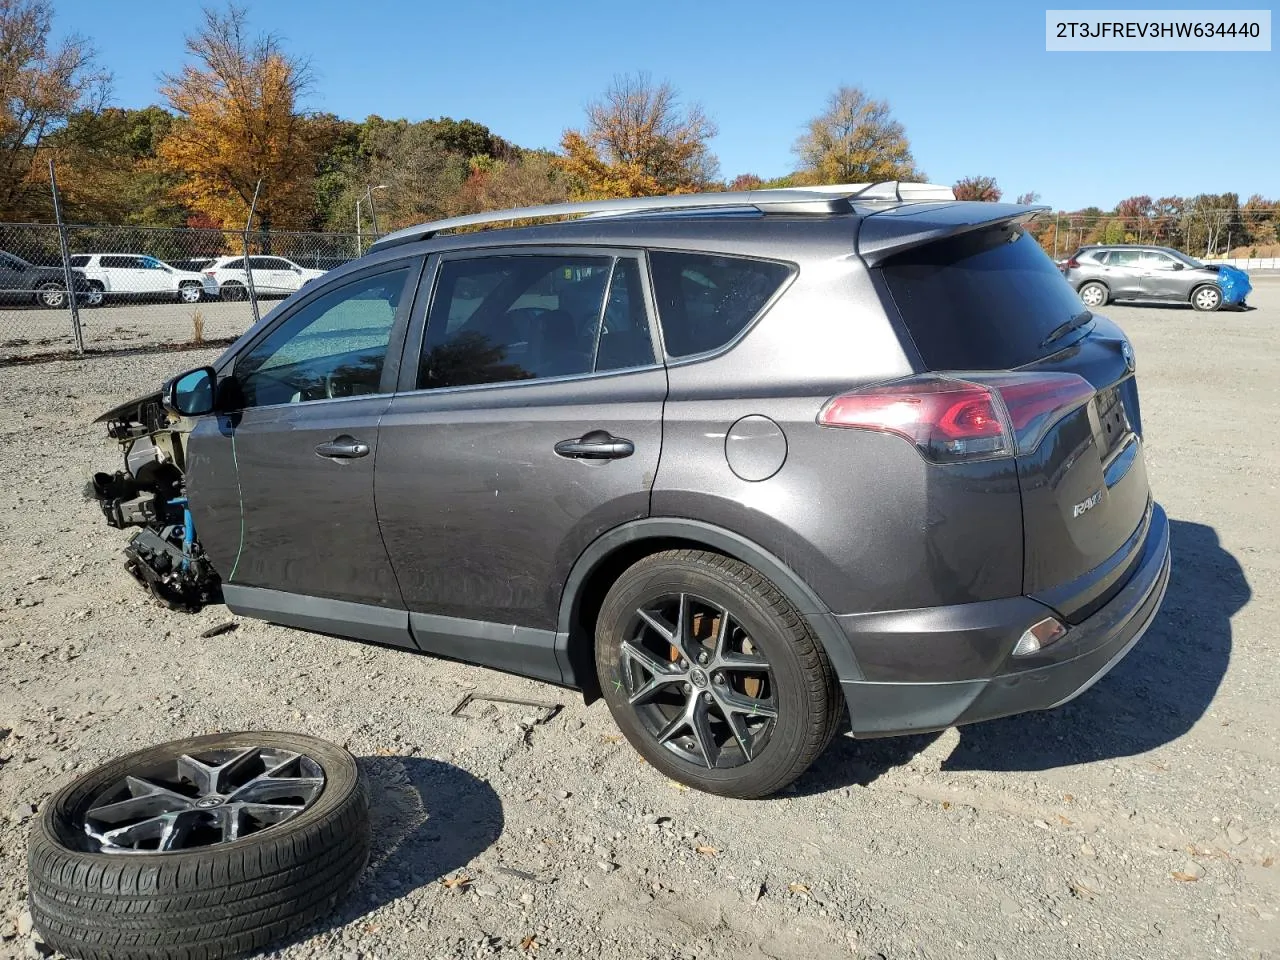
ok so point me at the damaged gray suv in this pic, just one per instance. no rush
(738, 463)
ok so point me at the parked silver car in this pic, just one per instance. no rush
(1127, 272)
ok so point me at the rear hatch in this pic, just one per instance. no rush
(983, 304)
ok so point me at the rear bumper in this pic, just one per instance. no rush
(886, 708)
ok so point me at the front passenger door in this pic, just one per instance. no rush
(281, 481)
(530, 423)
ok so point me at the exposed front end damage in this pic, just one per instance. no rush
(150, 492)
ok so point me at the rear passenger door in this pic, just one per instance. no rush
(528, 422)
(1123, 273)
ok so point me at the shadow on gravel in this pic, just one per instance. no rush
(429, 819)
(1153, 696)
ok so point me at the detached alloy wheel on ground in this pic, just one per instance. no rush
(712, 674)
(199, 849)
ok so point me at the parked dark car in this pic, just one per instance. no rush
(23, 282)
(707, 457)
(1132, 272)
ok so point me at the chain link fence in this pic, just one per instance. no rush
(139, 287)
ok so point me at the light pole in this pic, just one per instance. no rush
(367, 198)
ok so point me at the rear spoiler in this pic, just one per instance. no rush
(896, 229)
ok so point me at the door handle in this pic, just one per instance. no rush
(596, 445)
(342, 448)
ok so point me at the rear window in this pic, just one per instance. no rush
(987, 300)
(80, 261)
(705, 301)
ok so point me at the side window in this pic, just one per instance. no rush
(80, 261)
(509, 318)
(333, 347)
(1124, 258)
(115, 263)
(704, 301)
(1156, 261)
(237, 264)
(624, 332)
(262, 263)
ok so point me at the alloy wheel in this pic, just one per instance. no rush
(51, 296)
(700, 686)
(200, 801)
(190, 293)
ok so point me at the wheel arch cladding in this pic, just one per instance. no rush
(596, 569)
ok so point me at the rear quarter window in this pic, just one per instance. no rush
(704, 301)
(987, 300)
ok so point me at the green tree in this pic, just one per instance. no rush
(855, 140)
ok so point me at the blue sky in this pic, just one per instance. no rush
(972, 82)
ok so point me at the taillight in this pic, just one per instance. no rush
(974, 418)
(1072, 263)
(209, 274)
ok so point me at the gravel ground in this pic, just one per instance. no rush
(1138, 821)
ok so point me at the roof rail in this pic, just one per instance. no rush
(817, 200)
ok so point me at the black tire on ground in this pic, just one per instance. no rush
(224, 900)
(234, 292)
(804, 687)
(1206, 298)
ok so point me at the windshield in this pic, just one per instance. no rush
(1188, 260)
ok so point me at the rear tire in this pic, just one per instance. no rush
(1094, 294)
(766, 720)
(95, 295)
(219, 900)
(234, 292)
(1206, 298)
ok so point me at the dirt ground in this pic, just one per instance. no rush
(1140, 821)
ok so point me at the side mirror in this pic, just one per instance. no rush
(191, 394)
(1179, 266)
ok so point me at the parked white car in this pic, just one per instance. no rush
(272, 276)
(134, 275)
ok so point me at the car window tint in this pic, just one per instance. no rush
(334, 346)
(262, 263)
(237, 264)
(985, 300)
(115, 263)
(80, 261)
(624, 333)
(705, 301)
(511, 318)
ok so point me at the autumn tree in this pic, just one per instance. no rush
(745, 181)
(855, 140)
(239, 123)
(529, 180)
(977, 188)
(639, 140)
(1028, 198)
(108, 167)
(42, 84)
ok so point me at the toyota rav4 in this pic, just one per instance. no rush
(736, 462)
